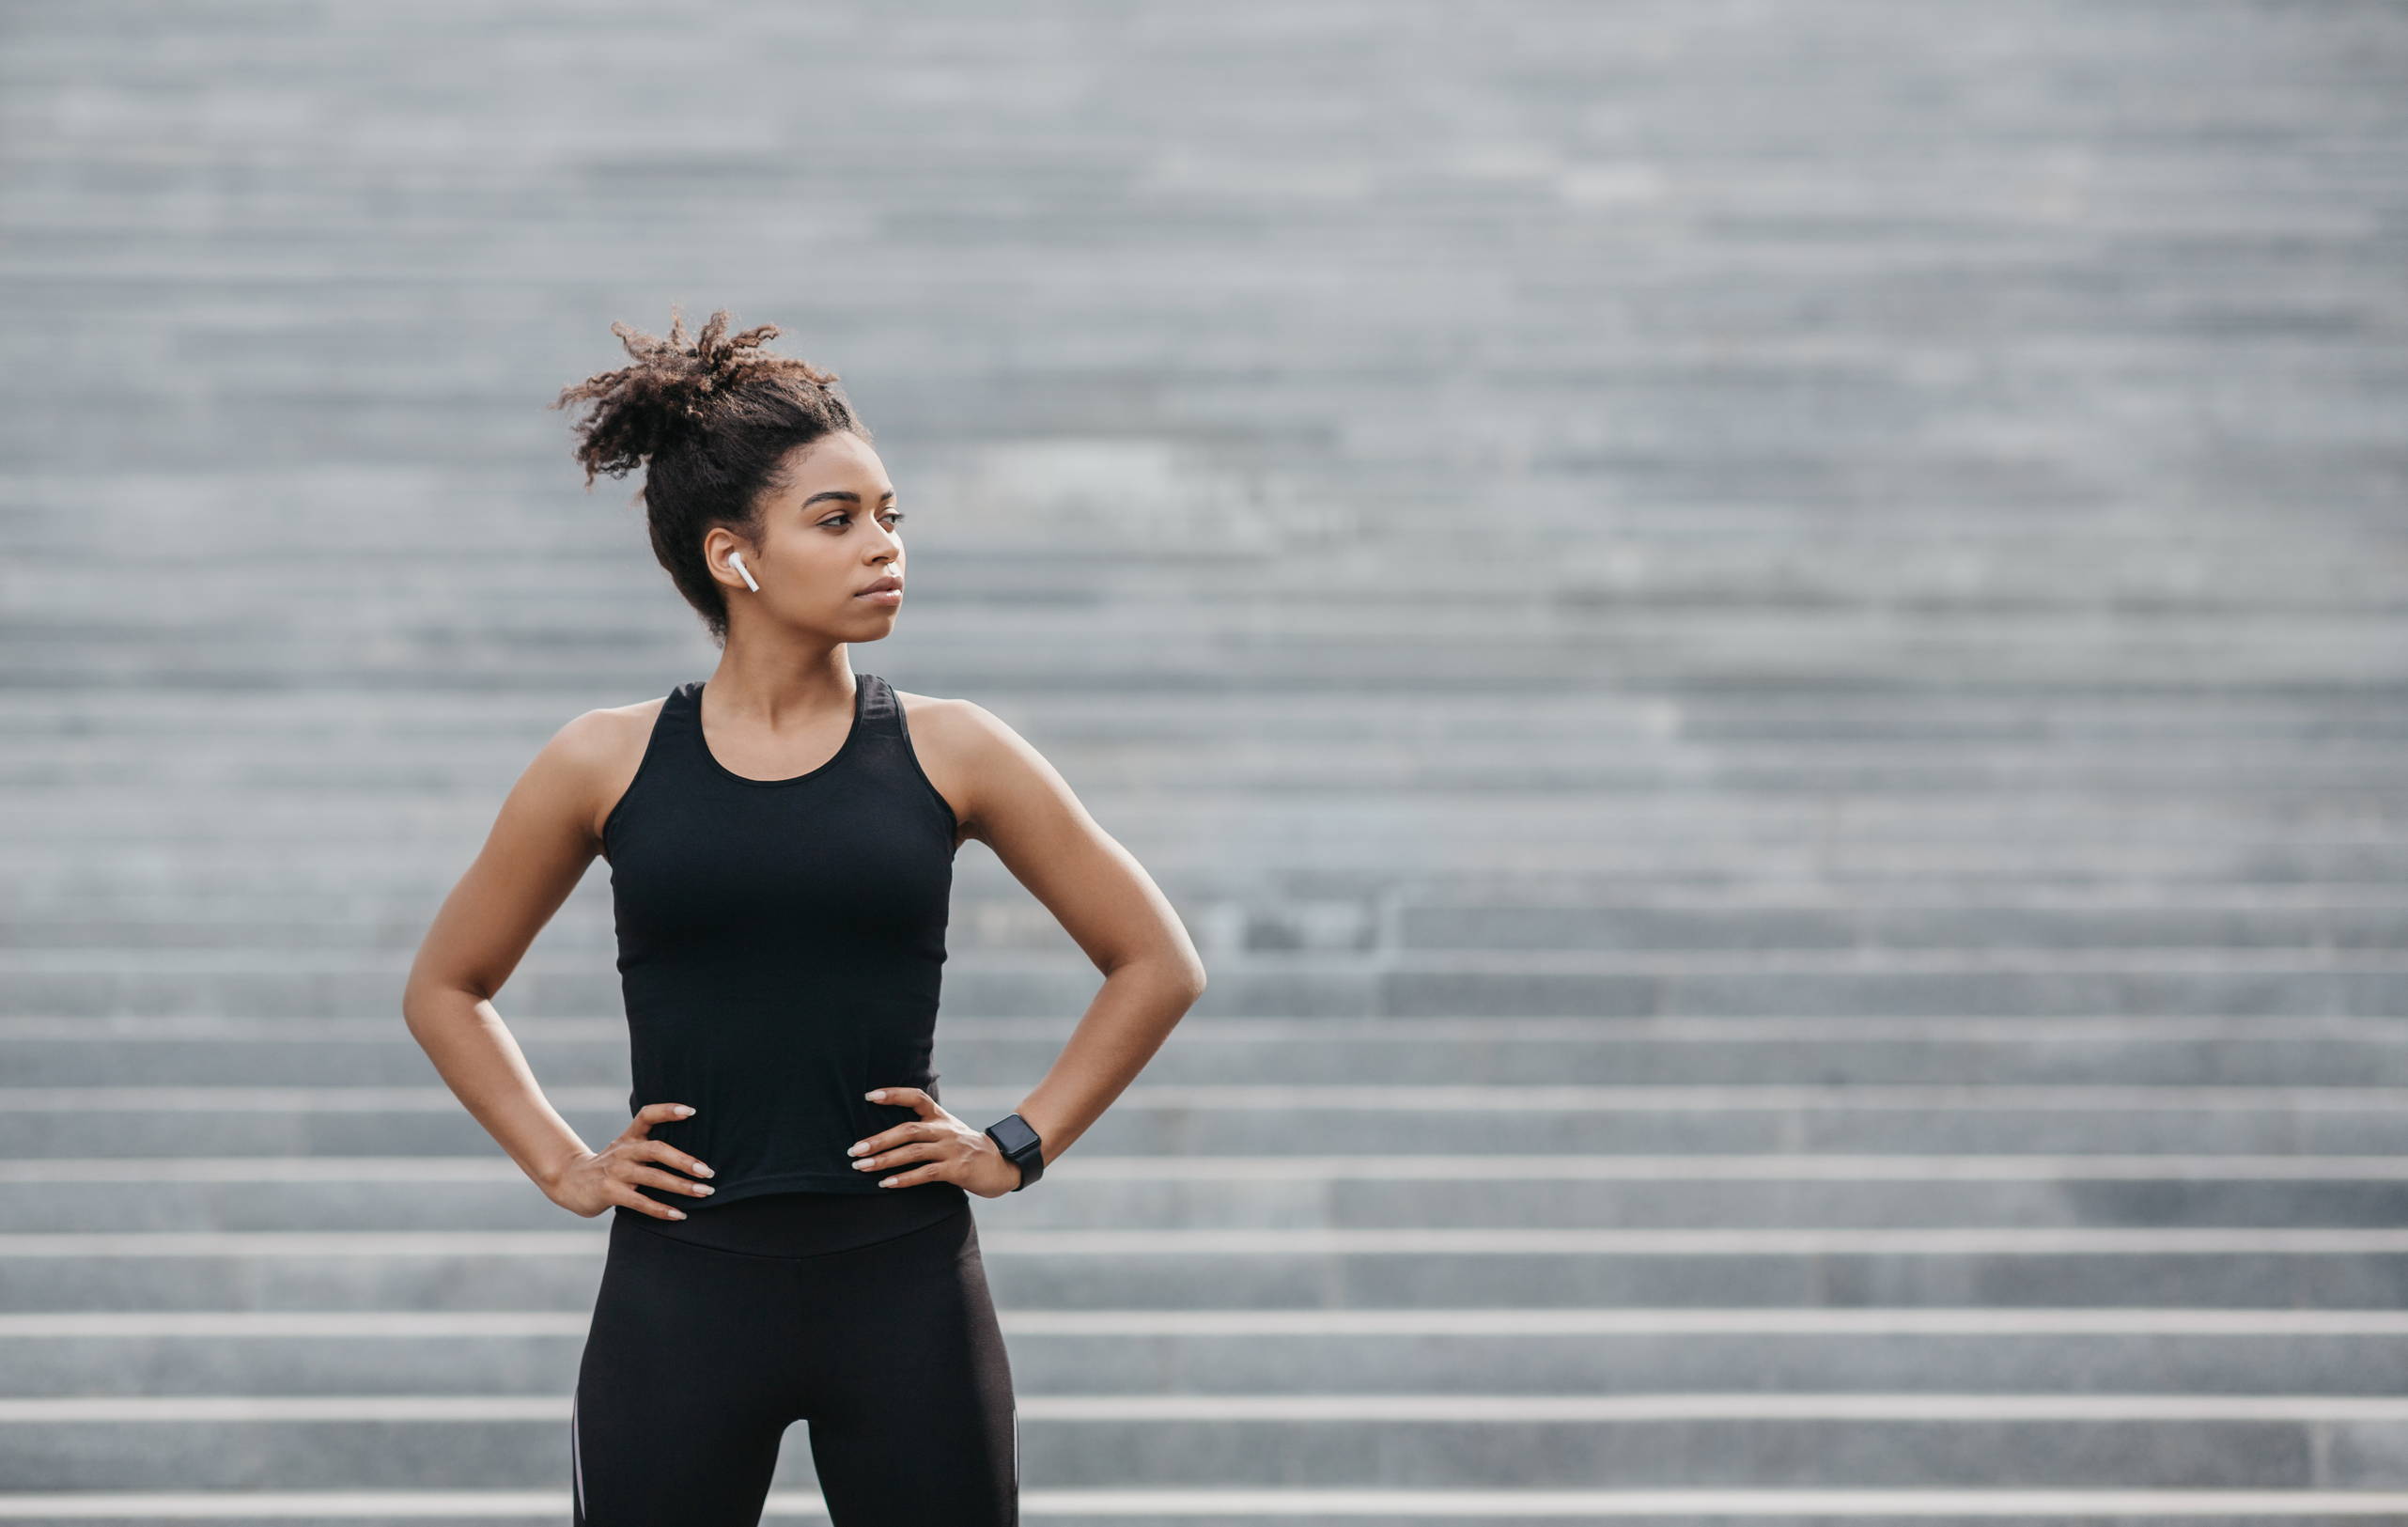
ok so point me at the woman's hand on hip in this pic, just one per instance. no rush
(600, 1178)
(936, 1146)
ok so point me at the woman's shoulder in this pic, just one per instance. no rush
(961, 746)
(603, 748)
(964, 730)
(609, 736)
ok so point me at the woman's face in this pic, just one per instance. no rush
(829, 533)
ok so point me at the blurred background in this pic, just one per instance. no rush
(1765, 643)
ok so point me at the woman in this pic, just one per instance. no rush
(791, 1234)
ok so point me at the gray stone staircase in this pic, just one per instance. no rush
(1766, 646)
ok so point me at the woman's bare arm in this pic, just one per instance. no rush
(541, 842)
(1016, 802)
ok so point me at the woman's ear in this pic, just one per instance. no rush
(723, 554)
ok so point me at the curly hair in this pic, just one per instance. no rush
(710, 418)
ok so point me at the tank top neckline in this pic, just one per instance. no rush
(852, 735)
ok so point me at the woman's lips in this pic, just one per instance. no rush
(881, 595)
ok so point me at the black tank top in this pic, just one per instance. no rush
(780, 948)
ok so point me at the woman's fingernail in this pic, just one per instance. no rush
(876, 1096)
(676, 1215)
(702, 1188)
(683, 1109)
(701, 1171)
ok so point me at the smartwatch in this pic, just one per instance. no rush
(1020, 1145)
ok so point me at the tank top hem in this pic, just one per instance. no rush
(799, 1225)
(843, 1181)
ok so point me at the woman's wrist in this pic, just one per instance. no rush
(1017, 1139)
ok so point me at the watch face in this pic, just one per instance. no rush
(1014, 1134)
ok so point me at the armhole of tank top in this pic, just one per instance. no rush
(911, 751)
(643, 767)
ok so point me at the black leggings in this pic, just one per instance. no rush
(699, 1357)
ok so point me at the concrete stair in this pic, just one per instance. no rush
(1766, 645)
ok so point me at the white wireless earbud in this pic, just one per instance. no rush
(738, 559)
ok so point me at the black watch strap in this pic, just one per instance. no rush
(1019, 1141)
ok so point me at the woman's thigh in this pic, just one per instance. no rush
(686, 1387)
(909, 1395)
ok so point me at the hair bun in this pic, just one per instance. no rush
(673, 389)
(696, 369)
